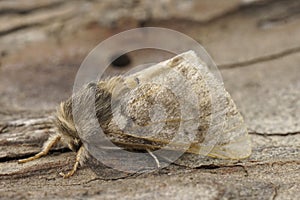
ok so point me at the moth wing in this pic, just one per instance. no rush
(237, 149)
(198, 95)
(158, 101)
(230, 134)
(235, 141)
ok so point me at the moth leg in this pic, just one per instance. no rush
(46, 148)
(154, 157)
(78, 158)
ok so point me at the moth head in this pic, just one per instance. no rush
(100, 93)
(66, 127)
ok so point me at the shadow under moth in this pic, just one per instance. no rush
(151, 118)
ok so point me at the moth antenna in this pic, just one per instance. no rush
(154, 157)
(54, 139)
(75, 166)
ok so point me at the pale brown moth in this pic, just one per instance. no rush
(178, 98)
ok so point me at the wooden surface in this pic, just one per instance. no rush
(256, 46)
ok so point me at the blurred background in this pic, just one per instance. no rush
(255, 44)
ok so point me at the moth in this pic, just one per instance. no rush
(177, 105)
